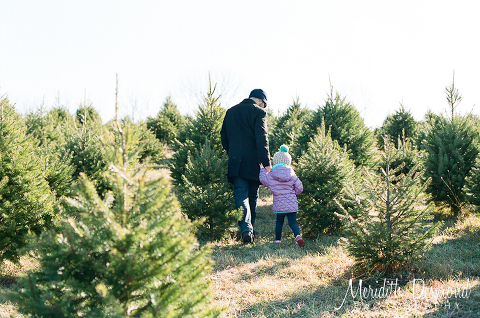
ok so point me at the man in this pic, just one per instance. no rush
(244, 137)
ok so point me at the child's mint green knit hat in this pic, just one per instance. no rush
(282, 156)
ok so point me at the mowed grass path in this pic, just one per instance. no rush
(282, 280)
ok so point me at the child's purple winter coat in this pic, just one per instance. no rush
(285, 187)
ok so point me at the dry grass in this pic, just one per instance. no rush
(8, 273)
(270, 280)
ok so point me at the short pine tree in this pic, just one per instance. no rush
(323, 170)
(206, 193)
(131, 254)
(399, 125)
(167, 123)
(385, 222)
(151, 147)
(88, 116)
(88, 155)
(347, 127)
(407, 156)
(26, 203)
(287, 128)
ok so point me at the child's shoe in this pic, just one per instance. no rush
(299, 240)
(277, 241)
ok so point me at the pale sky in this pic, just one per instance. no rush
(375, 53)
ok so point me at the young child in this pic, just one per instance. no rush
(285, 187)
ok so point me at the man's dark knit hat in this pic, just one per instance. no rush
(260, 94)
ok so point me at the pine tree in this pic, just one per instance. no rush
(205, 193)
(451, 147)
(205, 126)
(385, 222)
(347, 127)
(323, 170)
(50, 129)
(407, 156)
(399, 125)
(88, 116)
(472, 184)
(88, 155)
(131, 254)
(167, 123)
(287, 128)
(26, 203)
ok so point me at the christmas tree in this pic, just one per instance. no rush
(131, 254)
(399, 125)
(167, 123)
(205, 193)
(347, 128)
(323, 170)
(26, 203)
(205, 126)
(385, 219)
(451, 150)
(287, 128)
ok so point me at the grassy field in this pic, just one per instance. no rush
(282, 280)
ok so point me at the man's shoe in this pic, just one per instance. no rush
(248, 237)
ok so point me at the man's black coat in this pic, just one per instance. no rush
(244, 137)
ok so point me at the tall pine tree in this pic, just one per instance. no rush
(385, 219)
(286, 130)
(199, 169)
(451, 147)
(131, 254)
(205, 126)
(347, 127)
(26, 203)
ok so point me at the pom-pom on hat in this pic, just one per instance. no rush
(282, 157)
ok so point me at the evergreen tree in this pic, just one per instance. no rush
(205, 193)
(131, 254)
(141, 137)
(88, 116)
(472, 184)
(49, 129)
(323, 170)
(287, 128)
(399, 125)
(167, 123)
(205, 126)
(385, 222)
(347, 127)
(85, 148)
(451, 150)
(406, 156)
(26, 203)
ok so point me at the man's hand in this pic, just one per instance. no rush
(268, 168)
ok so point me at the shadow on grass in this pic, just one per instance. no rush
(465, 305)
(454, 259)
